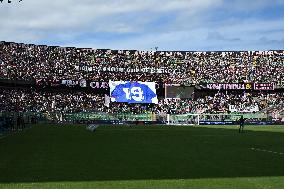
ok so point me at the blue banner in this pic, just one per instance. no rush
(133, 92)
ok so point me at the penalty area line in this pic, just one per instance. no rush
(1, 137)
(268, 151)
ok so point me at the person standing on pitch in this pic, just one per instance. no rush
(242, 122)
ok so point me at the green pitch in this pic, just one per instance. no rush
(143, 157)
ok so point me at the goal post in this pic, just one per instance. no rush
(182, 119)
(201, 119)
(219, 119)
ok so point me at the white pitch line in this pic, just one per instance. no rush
(269, 151)
(3, 136)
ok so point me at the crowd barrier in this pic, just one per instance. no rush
(129, 118)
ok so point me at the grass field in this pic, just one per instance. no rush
(160, 157)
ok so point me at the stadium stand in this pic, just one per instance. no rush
(46, 79)
(30, 100)
(27, 62)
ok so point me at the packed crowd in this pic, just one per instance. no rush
(29, 62)
(39, 62)
(32, 100)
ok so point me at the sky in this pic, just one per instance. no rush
(173, 25)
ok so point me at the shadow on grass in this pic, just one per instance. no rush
(47, 154)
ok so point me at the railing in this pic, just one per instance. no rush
(89, 117)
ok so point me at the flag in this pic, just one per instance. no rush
(107, 100)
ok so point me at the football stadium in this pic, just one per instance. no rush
(94, 117)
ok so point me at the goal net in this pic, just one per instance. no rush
(204, 119)
(182, 119)
(219, 118)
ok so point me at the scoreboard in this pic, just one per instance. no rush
(179, 91)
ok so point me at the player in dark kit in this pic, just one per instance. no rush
(242, 122)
